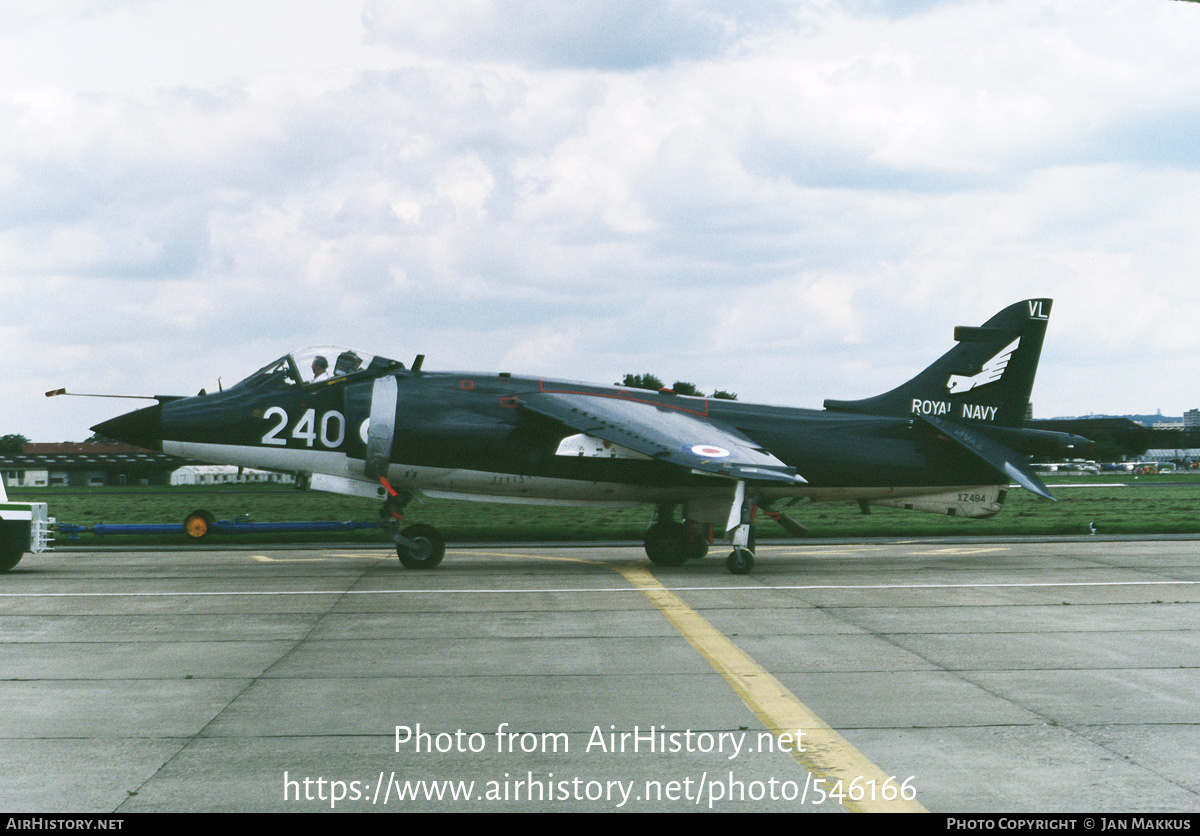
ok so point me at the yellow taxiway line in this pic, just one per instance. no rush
(826, 753)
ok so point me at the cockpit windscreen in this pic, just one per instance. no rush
(318, 364)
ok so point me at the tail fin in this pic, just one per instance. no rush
(986, 378)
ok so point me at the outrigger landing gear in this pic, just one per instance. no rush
(418, 546)
(741, 559)
(672, 543)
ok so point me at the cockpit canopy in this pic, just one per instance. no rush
(317, 364)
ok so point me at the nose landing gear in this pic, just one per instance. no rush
(418, 546)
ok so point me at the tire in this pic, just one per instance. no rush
(9, 558)
(665, 544)
(197, 524)
(427, 551)
(10, 555)
(740, 562)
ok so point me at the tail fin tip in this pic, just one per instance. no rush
(987, 377)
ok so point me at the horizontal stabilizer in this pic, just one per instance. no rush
(967, 334)
(1005, 460)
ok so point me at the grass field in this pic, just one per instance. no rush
(1117, 504)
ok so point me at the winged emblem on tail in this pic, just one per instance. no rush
(992, 371)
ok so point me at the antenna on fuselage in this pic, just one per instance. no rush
(56, 392)
(416, 366)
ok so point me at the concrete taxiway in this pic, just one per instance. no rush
(977, 676)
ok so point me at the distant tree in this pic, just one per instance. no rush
(642, 381)
(680, 387)
(12, 444)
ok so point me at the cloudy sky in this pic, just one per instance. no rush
(789, 200)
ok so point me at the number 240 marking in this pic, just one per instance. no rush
(331, 434)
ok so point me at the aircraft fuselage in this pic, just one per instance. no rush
(465, 433)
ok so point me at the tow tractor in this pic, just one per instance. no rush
(24, 527)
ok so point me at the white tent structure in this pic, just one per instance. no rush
(221, 474)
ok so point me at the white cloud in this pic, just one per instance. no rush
(783, 201)
(613, 35)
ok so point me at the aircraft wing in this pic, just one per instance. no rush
(671, 434)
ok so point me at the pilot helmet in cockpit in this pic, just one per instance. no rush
(347, 363)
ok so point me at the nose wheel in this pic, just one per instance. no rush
(420, 547)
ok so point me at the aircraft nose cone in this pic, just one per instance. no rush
(141, 428)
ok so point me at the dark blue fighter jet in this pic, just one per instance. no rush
(949, 441)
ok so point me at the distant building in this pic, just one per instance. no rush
(1191, 419)
(1178, 455)
(221, 474)
(86, 464)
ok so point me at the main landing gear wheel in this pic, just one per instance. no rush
(666, 544)
(740, 562)
(420, 546)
